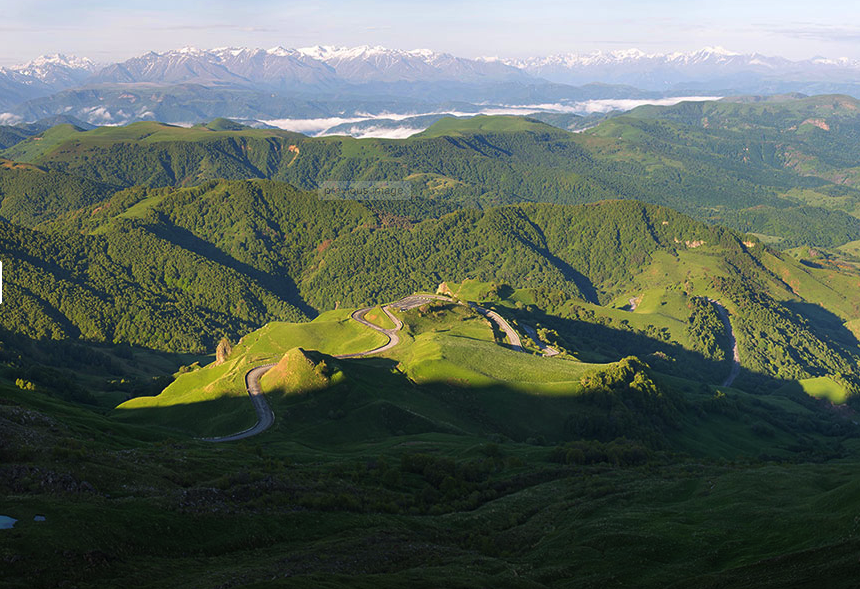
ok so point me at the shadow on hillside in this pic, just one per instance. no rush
(591, 341)
(377, 404)
(281, 285)
(80, 371)
(824, 322)
(582, 282)
(595, 342)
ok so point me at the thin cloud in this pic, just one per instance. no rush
(7, 118)
(817, 32)
(216, 27)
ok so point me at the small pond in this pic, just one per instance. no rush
(7, 522)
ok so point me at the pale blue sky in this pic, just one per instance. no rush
(114, 30)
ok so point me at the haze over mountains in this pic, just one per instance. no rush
(711, 68)
(315, 89)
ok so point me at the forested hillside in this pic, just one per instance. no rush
(122, 252)
(30, 195)
(129, 285)
(722, 162)
(175, 269)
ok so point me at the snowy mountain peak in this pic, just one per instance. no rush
(188, 50)
(52, 71)
(333, 68)
(329, 53)
(620, 56)
(58, 59)
(629, 54)
(280, 51)
(717, 50)
(426, 53)
(333, 52)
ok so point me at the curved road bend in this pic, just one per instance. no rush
(418, 300)
(265, 415)
(736, 355)
(393, 338)
(546, 350)
(513, 336)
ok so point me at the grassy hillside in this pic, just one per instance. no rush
(451, 459)
(378, 497)
(452, 374)
(31, 149)
(451, 448)
(299, 372)
(220, 388)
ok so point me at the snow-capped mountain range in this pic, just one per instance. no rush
(655, 71)
(55, 71)
(330, 81)
(283, 68)
(327, 65)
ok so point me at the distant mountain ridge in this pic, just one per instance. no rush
(42, 76)
(190, 85)
(322, 65)
(659, 71)
(283, 68)
(376, 63)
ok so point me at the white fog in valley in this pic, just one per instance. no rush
(338, 125)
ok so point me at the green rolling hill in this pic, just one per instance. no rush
(761, 167)
(641, 454)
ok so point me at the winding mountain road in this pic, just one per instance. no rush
(393, 338)
(736, 355)
(547, 351)
(500, 321)
(265, 415)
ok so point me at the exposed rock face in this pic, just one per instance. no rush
(223, 351)
(443, 289)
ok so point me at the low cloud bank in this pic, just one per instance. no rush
(360, 127)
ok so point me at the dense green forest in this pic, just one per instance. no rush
(720, 162)
(128, 286)
(30, 195)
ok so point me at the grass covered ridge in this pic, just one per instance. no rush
(213, 400)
